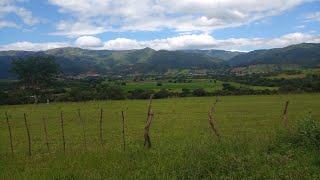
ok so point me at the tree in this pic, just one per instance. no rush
(36, 73)
(199, 92)
(110, 91)
(163, 93)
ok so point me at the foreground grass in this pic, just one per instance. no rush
(183, 145)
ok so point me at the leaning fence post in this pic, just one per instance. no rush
(84, 129)
(62, 131)
(211, 121)
(149, 107)
(10, 135)
(28, 133)
(45, 132)
(147, 141)
(123, 136)
(284, 115)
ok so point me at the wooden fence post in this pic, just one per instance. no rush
(211, 121)
(45, 132)
(28, 133)
(62, 131)
(10, 135)
(82, 122)
(149, 107)
(147, 141)
(101, 140)
(284, 115)
(123, 136)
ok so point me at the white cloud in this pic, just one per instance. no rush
(190, 41)
(8, 7)
(154, 15)
(88, 42)
(8, 24)
(76, 29)
(29, 46)
(313, 16)
(205, 41)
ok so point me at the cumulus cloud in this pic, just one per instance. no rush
(182, 16)
(205, 41)
(75, 29)
(8, 7)
(88, 41)
(29, 46)
(182, 42)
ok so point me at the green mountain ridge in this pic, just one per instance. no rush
(305, 55)
(75, 61)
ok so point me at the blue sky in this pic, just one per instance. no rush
(160, 24)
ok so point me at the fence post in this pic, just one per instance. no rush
(147, 141)
(284, 115)
(123, 135)
(101, 140)
(28, 133)
(211, 121)
(62, 130)
(10, 135)
(45, 132)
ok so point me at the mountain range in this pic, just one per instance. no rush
(74, 61)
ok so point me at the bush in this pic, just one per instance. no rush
(80, 94)
(140, 94)
(308, 133)
(159, 84)
(199, 92)
(163, 93)
(185, 92)
(19, 97)
(110, 91)
(3, 97)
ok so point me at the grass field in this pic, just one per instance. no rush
(183, 145)
(195, 84)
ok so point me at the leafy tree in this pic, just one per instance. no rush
(163, 93)
(199, 92)
(185, 92)
(35, 73)
(81, 94)
(3, 97)
(110, 91)
(140, 94)
(228, 87)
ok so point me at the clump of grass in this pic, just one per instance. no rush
(307, 133)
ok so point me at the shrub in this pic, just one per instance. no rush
(163, 93)
(308, 133)
(110, 91)
(199, 92)
(140, 94)
(80, 94)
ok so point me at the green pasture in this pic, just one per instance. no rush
(183, 144)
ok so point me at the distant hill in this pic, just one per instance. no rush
(217, 54)
(74, 61)
(305, 55)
